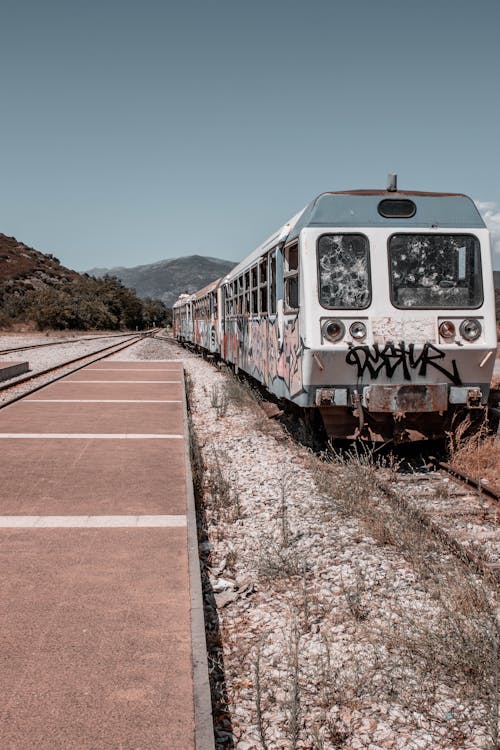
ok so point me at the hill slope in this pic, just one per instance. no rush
(36, 290)
(23, 268)
(166, 279)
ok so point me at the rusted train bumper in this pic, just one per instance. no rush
(397, 412)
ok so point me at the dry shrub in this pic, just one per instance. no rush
(225, 500)
(276, 561)
(219, 400)
(239, 392)
(477, 452)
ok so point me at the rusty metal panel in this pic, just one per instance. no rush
(406, 398)
(331, 397)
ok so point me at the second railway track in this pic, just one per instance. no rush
(60, 342)
(22, 386)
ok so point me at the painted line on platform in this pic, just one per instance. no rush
(143, 361)
(113, 361)
(86, 436)
(98, 401)
(72, 382)
(129, 369)
(91, 522)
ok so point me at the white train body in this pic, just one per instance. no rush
(373, 308)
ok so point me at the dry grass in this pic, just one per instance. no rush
(494, 398)
(219, 400)
(476, 453)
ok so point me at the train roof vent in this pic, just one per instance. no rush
(397, 208)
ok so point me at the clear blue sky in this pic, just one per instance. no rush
(133, 131)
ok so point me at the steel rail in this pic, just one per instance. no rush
(466, 479)
(459, 550)
(14, 349)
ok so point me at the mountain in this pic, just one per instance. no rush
(166, 279)
(23, 268)
(496, 279)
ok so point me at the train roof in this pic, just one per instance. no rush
(359, 208)
(206, 289)
(186, 297)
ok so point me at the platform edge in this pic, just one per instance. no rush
(204, 728)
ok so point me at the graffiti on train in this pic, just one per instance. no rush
(268, 356)
(403, 357)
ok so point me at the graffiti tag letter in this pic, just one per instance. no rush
(375, 360)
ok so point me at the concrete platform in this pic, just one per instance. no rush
(130, 481)
(12, 369)
(100, 604)
(96, 639)
(93, 418)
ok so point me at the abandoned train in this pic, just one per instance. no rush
(373, 309)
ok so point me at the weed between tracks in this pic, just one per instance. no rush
(458, 646)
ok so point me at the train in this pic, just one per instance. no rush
(371, 311)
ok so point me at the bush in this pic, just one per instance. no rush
(82, 304)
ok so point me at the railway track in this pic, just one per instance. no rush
(32, 382)
(64, 342)
(461, 514)
(469, 509)
(468, 480)
(451, 528)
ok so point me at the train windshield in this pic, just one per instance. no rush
(343, 267)
(435, 270)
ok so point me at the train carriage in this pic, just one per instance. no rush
(372, 308)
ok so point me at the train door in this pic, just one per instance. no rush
(274, 321)
(292, 354)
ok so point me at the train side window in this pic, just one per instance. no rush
(253, 274)
(254, 297)
(239, 292)
(272, 283)
(292, 258)
(292, 292)
(229, 300)
(246, 306)
(263, 286)
(263, 300)
(291, 274)
(263, 271)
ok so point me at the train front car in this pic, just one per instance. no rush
(389, 319)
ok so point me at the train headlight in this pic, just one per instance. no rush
(358, 330)
(333, 330)
(447, 329)
(470, 329)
